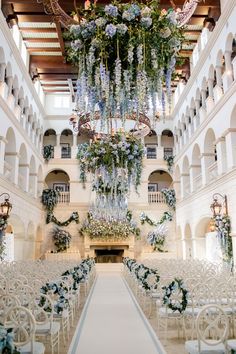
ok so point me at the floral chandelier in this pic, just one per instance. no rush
(126, 56)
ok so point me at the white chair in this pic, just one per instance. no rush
(42, 309)
(212, 327)
(6, 303)
(23, 325)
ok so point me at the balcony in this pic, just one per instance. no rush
(168, 152)
(156, 197)
(151, 152)
(63, 198)
(65, 152)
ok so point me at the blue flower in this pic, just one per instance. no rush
(130, 157)
(77, 44)
(100, 22)
(75, 29)
(135, 9)
(110, 30)
(128, 16)
(146, 22)
(111, 10)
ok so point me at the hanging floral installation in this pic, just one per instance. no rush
(223, 229)
(49, 200)
(106, 230)
(156, 238)
(61, 238)
(126, 54)
(115, 161)
(48, 152)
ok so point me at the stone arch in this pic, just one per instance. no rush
(167, 141)
(50, 137)
(201, 230)
(10, 155)
(66, 142)
(59, 179)
(23, 174)
(161, 178)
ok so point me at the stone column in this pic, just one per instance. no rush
(159, 140)
(234, 67)
(221, 156)
(219, 76)
(230, 140)
(9, 84)
(2, 72)
(3, 142)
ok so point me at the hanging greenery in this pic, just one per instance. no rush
(115, 161)
(49, 200)
(170, 197)
(170, 162)
(156, 238)
(48, 152)
(61, 239)
(51, 218)
(125, 53)
(113, 229)
(223, 229)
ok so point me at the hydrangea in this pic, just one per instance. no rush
(77, 44)
(100, 22)
(111, 10)
(135, 9)
(110, 30)
(75, 29)
(165, 32)
(121, 29)
(127, 15)
(146, 11)
(172, 17)
(146, 22)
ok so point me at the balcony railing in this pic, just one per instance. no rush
(64, 197)
(156, 197)
(151, 153)
(66, 152)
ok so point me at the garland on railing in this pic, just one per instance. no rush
(170, 197)
(223, 229)
(170, 162)
(6, 341)
(49, 200)
(61, 239)
(167, 216)
(48, 152)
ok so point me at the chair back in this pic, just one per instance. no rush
(212, 326)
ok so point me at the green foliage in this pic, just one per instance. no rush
(48, 152)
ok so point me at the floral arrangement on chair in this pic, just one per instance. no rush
(61, 239)
(6, 341)
(176, 296)
(59, 289)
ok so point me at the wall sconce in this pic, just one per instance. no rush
(5, 209)
(217, 207)
(212, 227)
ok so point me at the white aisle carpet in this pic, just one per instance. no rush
(112, 322)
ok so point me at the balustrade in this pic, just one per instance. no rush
(64, 197)
(156, 197)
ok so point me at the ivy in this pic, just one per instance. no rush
(48, 152)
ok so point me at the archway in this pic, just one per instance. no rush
(150, 142)
(66, 141)
(210, 155)
(23, 174)
(60, 181)
(18, 234)
(158, 180)
(203, 238)
(50, 137)
(167, 142)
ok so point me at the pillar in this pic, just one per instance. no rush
(9, 84)
(221, 156)
(159, 140)
(230, 140)
(2, 72)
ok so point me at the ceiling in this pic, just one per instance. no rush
(44, 39)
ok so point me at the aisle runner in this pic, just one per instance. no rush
(112, 323)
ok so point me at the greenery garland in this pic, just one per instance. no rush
(177, 285)
(48, 152)
(51, 218)
(170, 162)
(170, 197)
(223, 229)
(167, 216)
(49, 200)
